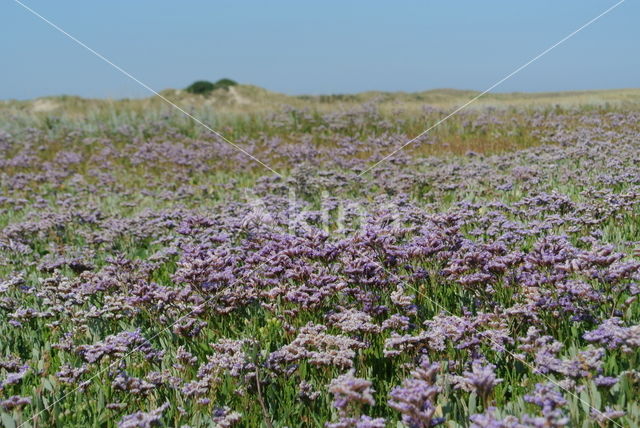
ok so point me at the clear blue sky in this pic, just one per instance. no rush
(312, 47)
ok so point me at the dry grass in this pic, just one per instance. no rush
(246, 112)
(245, 99)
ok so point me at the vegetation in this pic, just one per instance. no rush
(201, 87)
(204, 87)
(485, 275)
(225, 83)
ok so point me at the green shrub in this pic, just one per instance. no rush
(201, 87)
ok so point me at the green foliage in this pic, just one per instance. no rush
(201, 87)
(204, 87)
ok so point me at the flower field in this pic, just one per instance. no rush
(487, 275)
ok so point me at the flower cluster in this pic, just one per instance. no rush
(416, 398)
(350, 395)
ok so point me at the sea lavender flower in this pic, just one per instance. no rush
(117, 346)
(546, 397)
(415, 399)
(402, 300)
(131, 384)
(320, 348)
(363, 421)
(583, 364)
(613, 335)
(184, 358)
(605, 381)
(142, 419)
(489, 419)
(116, 406)
(555, 419)
(70, 375)
(230, 355)
(350, 394)
(481, 380)
(604, 417)
(396, 322)
(307, 392)
(439, 330)
(352, 320)
(14, 402)
(11, 363)
(13, 378)
(188, 327)
(224, 417)
(349, 390)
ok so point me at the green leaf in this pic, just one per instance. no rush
(473, 402)
(8, 421)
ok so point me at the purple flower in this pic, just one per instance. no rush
(225, 417)
(15, 377)
(546, 397)
(319, 347)
(363, 421)
(481, 380)
(143, 419)
(612, 334)
(307, 392)
(348, 390)
(489, 419)
(415, 399)
(15, 402)
(605, 381)
(350, 394)
(119, 345)
(604, 417)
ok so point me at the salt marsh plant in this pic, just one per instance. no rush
(152, 275)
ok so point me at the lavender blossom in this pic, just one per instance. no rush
(546, 397)
(481, 380)
(143, 419)
(117, 346)
(15, 402)
(363, 421)
(225, 417)
(416, 398)
(348, 391)
(604, 417)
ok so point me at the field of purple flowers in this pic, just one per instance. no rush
(486, 276)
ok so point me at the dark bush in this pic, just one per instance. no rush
(201, 87)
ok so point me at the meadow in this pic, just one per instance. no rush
(485, 276)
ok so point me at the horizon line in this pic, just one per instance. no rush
(320, 94)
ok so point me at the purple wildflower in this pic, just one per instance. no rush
(119, 345)
(225, 417)
(15, 402)
(481, 380)
(142, 419)
(415, 399)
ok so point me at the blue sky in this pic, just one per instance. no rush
(304, 47)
